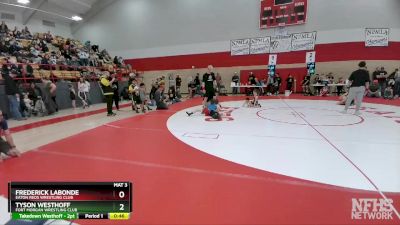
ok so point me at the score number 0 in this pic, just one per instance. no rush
(121, 195)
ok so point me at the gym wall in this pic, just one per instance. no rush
(163, 37)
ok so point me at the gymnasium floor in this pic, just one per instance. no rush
(296, 160)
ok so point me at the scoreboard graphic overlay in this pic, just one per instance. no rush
(277, 13)
(70, 201)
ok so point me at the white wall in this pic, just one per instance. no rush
(35, 25)
(146, 28)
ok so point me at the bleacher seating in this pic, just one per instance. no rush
(58, 71)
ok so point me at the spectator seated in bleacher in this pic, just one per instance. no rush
(388, 94)
(32, 56)
(25, 33)
(172, 95)
(34, 92)
(83, 57)
(34, 48)
(40, 107)
(160, 98)
(374, 90)
(28, 105)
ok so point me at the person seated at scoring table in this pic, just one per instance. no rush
(339, 88)
(7, 146)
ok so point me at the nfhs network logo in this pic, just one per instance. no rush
(372, 209)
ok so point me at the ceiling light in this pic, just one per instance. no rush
(76, 18)
(23, 2)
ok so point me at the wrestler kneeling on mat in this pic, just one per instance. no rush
(7, 146)
(253, 103)
(213, 109)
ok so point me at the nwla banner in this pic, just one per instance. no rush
(240, 47)
(376, 37)
(281, 44)
(260, 45)
(304, 41)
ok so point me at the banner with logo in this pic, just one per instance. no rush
(260, 45)
(304, 41)
(281, 44)
(240, 47)
(376, 37)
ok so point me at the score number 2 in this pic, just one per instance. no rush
(121, 195)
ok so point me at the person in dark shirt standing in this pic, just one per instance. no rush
(382, 76)
(252, 82)
(289, 82)
(178, 81)
(278, 81)
(306, 85)
(197, 81)
(154, 87)
(375, 74)
(191, 89)
(12, 94)
(209, 82)
(115, 87)
(252, 79)
(235, 80)
(359, 80)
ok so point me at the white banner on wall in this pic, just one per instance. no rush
(376, 37)
(281, 44)
(240, 47)
(304, 41)
(260, 45)
(281, 31)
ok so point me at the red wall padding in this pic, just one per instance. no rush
(325, 53)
